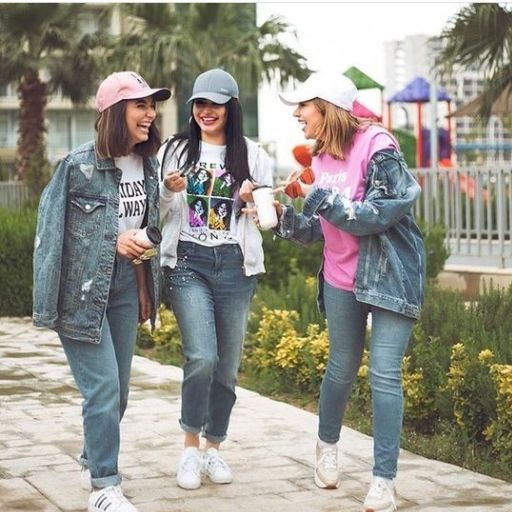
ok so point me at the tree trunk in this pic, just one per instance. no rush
(33, 99)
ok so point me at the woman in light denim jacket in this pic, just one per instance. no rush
(86, 287)
(360, 205)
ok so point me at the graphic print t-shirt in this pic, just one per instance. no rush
(347, 178)
(132, 192)
(211, 194)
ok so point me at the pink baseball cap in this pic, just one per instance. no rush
(126, 85)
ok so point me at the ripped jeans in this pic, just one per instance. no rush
(210, 296)
(102, 373)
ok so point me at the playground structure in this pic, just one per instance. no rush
(418, 91)
(416, 146)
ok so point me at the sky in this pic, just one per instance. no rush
(335, 36)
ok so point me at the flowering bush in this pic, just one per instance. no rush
(499, 432)
(472, 391)
(282, 357)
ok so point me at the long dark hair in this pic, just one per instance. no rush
(189, 142)
(112, 139)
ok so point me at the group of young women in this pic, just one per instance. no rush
(198, 188)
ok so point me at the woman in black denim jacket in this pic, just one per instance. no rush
(360, 206)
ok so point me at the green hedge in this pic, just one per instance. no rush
(17, 231)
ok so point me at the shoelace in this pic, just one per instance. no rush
(378, 488)
(214, 462)
(191, 463)
(328, 459)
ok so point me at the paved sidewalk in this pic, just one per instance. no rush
(271, 447)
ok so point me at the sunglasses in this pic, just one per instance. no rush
(293, 189)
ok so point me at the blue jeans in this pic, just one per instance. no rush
(346, 320)
(210, 296)
(102, 373)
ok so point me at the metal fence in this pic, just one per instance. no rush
(13, 194)
(474, 204)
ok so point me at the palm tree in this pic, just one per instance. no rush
(42, 50)
(172, 43)
(481, 35)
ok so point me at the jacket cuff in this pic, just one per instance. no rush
(313, 202)
(165, 192)
(284, 228)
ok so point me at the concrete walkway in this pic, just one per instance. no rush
(271, 447)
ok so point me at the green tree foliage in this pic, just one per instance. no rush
(43, 50)
(172, 43)
(480, 35)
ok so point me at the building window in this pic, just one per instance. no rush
(67, 130)
(8, 129)
(7, 90)
(84, 127)
(59, 132)
(88, 22)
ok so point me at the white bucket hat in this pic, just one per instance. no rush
(334, 88)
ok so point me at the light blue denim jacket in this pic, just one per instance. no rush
(76, 240)
(391, 263)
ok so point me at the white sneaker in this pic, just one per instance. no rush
(381, 496)
(109, 499)
(85, 479)
(215, 468)
(189, 469)
(326, 469)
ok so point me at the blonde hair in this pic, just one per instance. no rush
(336, 132)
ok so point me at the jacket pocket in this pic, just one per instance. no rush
(86, 215)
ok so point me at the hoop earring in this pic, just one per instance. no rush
(190, 119)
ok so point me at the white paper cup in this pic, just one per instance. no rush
(264, 201)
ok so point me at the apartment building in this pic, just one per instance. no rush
(413, 56)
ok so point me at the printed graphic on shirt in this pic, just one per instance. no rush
(197, 211)
(224, 185)
(220, 214)
(211, 191)
(334, 182)
(132, 196)
(199, 181)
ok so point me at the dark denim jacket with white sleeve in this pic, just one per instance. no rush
(76, 243)
(391, 264)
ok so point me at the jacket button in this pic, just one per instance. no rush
(87, 206)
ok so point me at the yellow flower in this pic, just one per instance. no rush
(485, 356)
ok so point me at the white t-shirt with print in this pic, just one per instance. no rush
(211, 195)
(132, 192)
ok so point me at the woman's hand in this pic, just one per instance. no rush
(174, 182)
(252, 211)
(293, 186)
(279, 208)
(246, 191)
(129, 247)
